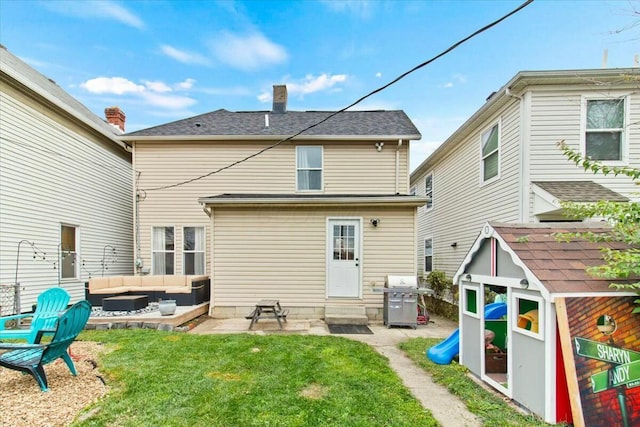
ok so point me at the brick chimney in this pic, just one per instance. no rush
(279, 98)
(115, 116)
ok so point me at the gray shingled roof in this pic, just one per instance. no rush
(389, 124)
(580, 191)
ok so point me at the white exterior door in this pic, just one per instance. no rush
(343, 258)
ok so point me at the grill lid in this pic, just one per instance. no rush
(402, 281)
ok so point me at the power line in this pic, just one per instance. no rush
(380, 89)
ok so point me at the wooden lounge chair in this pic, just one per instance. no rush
(31, 358)
(50, 304)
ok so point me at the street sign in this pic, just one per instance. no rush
(604, 352)
(628, 373)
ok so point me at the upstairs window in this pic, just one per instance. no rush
(428, 191)
(309, 168)
(193, 250)
(68, 253)
(491, 153)
(163, 250)
(604, 133)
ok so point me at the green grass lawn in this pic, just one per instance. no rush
(176, 379)
(489, 407)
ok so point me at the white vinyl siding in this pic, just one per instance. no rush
(293, 240)
(558, 116)
(464, 204)
(53, 172)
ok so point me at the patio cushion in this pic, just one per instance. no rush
(98, 283)
(115, 281)
(174, 280)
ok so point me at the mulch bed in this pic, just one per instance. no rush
(23, 404)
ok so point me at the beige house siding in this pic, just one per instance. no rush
(273, 172)
(280, 253)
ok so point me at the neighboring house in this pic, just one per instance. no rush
(65, 189)
(316, 220)
(555, 311)
(503, 164)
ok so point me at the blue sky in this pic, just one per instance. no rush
(161, 61)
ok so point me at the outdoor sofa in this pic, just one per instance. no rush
(185, 290)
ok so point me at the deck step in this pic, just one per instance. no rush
(345, 315)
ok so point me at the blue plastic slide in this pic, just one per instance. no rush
(444, 352)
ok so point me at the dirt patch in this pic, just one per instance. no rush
(314, 391)
(23, 404)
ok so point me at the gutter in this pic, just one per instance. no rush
(251, 138)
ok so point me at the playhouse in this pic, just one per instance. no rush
(564, 345)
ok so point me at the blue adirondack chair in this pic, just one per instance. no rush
(31, 358)
(50, 303)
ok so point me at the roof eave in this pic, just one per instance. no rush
(173, 138)
(396, 201)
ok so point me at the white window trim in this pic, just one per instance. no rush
(204, 251)
(499, 150)
(624, 149)
(424, 256)
(430, 174)
(479, 305)
(76, 263)
(321, 189)
(174, 246)
(515, 296)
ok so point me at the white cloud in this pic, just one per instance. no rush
(265, 97)
(152, 93)
(184, 56)
(456, 79)
(185, 85)
(378, 74)
(103, 9)
(448, 85)
(115, 85)
(311, 83)
(157, 86)
(247, 52)
(167, 101)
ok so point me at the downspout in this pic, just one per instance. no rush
(398, 166)
(209, 213)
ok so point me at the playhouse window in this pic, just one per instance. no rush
(529, 316)
(471, 301)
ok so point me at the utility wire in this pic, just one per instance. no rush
(380, 89)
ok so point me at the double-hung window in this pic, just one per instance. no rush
(68, 252)
(491, 153)
(428, 256)
(309, 168)
(604, 130)
(428, 191)
(193, 250)
(163, 250)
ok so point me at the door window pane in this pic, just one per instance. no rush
(344, 242)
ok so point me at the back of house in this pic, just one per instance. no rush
(311, 208)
